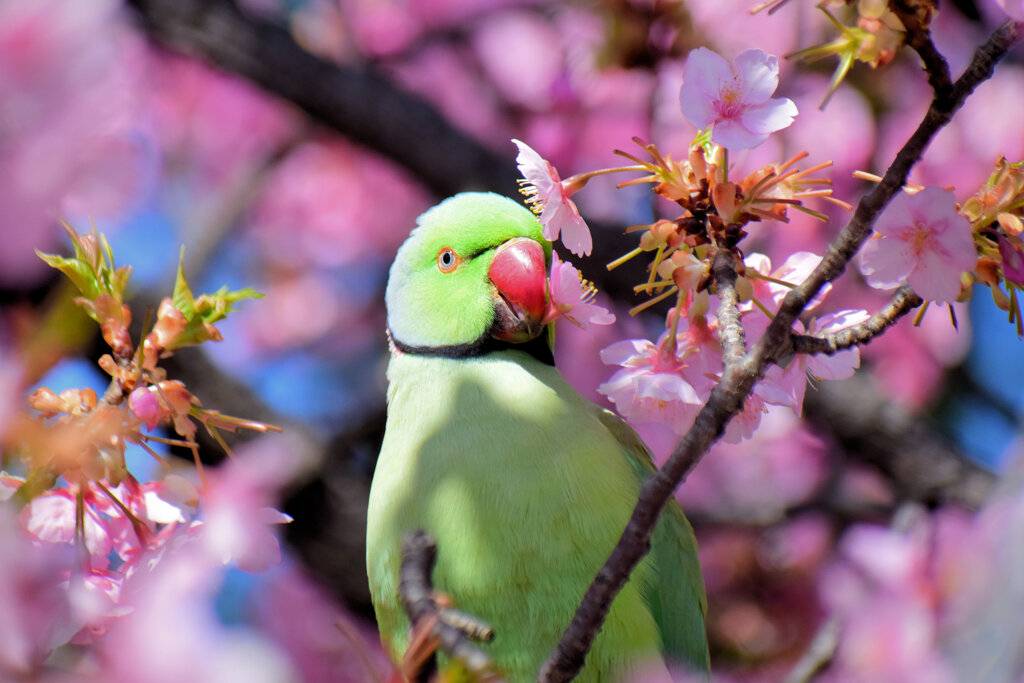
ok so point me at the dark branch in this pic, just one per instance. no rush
(921, 465)
(916, 17)
(419, 553)
(902, 302)
(358, 102)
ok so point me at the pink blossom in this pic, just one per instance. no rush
(743, 425)
(782, 465)
(651, 385)
(1011, 251)
(34, 610)
(237, 505)
(796, 268)
(173, 633)
(1013, 8)
(570, 296)
(51, 517)
(323, 640)
(548, 194)
(734, 100)
(921, 239)
(786, 386)
(67, 108)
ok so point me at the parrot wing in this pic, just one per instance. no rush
(675, 586)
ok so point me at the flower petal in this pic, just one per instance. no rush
(886, 262)
(759, 73)
(769, 117)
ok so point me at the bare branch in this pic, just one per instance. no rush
(357, 101)
(902, 302)
(916, 17)
(449, 627)
(922, 465)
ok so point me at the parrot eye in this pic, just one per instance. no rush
(447, 260)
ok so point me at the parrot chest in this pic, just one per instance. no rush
(524, 489)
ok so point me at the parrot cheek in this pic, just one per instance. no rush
(519, 276)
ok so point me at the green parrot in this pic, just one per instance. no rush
(525, 484)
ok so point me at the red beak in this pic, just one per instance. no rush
(519, 276)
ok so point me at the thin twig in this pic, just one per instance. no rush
(902, 302)
(916, 18)
(419, 553)
(727, 397)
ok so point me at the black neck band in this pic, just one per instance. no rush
(536, 347)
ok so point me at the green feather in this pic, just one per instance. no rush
(526, 485)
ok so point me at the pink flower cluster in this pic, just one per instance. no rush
(669, 381)
(110, 560)
(66, 121)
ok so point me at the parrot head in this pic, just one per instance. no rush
(473, 273)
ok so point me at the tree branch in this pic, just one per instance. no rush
(358, 102)
(902, 302)
(922, 465)
(727, 397)
(419, 553)
(730, 330)
(916, 17)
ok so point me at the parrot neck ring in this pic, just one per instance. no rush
(537, 347)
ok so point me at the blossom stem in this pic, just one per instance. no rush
(622, 259)
(671, 340)
(754, 274)
(763, 308)
(650, 302)
(137, 525)
(215, 433)
(156, 456)
(920, 314)
(81, 550)
(652, 285)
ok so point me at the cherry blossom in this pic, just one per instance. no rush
(921, 239)
(570, 297)
(794, 270)
(786, 386)
(237, 504)
(735, 100)
(651, 386)
(1013, 8)
(34, 611)
(549, 195)
(1011, 251)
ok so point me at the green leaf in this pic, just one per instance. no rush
(78, 271)
(216, 306)
(182, 298)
